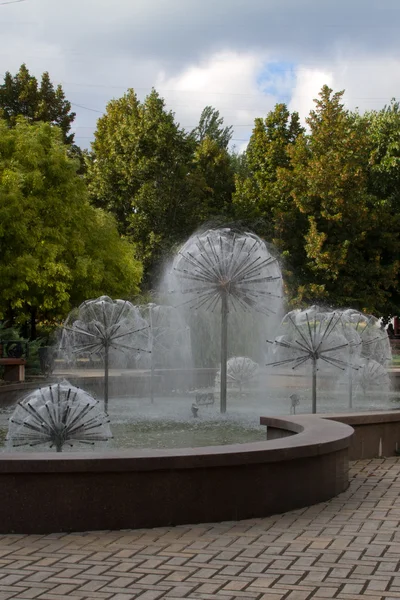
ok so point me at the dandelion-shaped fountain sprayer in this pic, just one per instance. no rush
(371, 356)
(312, 335)
(104, 327)
(58, 416)
(233, 270)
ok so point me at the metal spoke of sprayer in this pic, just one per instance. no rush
(230, 269)
(103, 325)
(313, 340)
(56, 416)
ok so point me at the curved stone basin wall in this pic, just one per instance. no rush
(42, 493)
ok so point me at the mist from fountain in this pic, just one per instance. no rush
(221, 300)
(169, 341)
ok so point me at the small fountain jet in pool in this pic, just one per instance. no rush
(372, 376)
(233, 270)
(105, 325)
(312, 335)
(241, 370)
(58, 415)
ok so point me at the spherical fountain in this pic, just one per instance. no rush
(58, 416)
(241, 372)
(109, 329)
(230, 271)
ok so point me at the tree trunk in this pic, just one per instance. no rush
(33, 312)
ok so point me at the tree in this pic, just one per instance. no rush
(383, 128)
(211, 126)
(350, 249)
(214, 169)
(56, 250)
(384, 135)
(260, 200)
(141, 170)
(21, 95)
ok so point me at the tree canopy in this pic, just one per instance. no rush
(318, 198)
(22, 95)
(55, 248)
(158, 181)
(327, 196)
(211, 125)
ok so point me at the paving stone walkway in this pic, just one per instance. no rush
(346, 548)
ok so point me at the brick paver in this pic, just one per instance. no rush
(347, 548)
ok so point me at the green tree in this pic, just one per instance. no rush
(55, 248)
(211, 125)
(214, 169)
(349, 246)
(383, 128)
(141, 169)
(260, 200)
(21, 95)
(384, 134)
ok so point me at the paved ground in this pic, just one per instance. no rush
(346, 548)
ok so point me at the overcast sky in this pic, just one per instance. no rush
(240, 56)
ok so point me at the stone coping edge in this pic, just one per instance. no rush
(314, 436)
(365, 418)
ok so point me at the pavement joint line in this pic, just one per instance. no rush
(345, 548)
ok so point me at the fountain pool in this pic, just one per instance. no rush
(168, 463)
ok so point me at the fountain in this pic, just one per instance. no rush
(369, 352)
(241, 371)
(372, 376)
(219, 269)
(58, 415)
(107, 329)
(230, 270)
(311, 335)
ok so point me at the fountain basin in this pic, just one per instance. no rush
(43, 493)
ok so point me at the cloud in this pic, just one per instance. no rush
(240, 57)
(227, 81)
(308, 84)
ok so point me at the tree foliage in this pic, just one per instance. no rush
(55, 249)
(156, 179)
(317, 195)
(211, 125)
(22, 95)
(328, 197)
(348, 240)
(260, 200)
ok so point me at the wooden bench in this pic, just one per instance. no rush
(14, 369)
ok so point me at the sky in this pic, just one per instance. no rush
(239, 56)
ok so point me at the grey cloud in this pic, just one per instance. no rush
(178, 32)
(115, 44)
